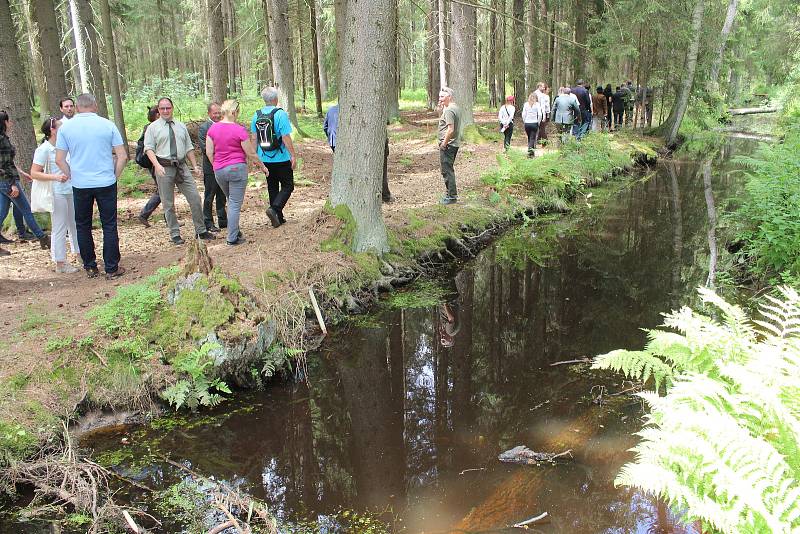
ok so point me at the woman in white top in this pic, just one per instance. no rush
(63, 216)
(531, 117)
(506, 118)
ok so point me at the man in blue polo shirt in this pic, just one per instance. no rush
(280, 162)
(90, 141)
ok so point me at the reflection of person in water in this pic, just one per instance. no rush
(447, 321)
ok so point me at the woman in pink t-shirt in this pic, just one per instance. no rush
(228, 146)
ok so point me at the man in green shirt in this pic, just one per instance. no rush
(450, 129)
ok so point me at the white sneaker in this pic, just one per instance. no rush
(66, 269)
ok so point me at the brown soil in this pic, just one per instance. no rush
(28, 280)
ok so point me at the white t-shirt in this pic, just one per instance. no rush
(45, 156)
(64, 118)
(506, 114)
(531, 114)
(544, 101)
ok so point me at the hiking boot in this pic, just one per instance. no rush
(4, 252)
(92, 272)
(239, 241)
(446, 200)
(212, 228)
(44, 242)
(116, 274)
(207, 236)
(273, 217)
(66, 269)
(27, 235)
(178, 240)
(143, 221)
(4, 240)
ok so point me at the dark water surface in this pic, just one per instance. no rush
(406, 412)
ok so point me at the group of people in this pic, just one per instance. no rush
(83, 155)
(576, 110)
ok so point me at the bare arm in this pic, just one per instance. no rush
(287, 140)
(121, 152)
(37, 173)
(247, 146)
(61, 161)
(209, 150)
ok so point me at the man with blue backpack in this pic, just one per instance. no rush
(272, 131)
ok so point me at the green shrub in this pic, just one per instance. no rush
(198, 388)
(131, 308)
(722, 445)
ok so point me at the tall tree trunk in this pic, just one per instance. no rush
(323, 74)
(113, 74)
(302, 54)
(730, 16)
(93, 55)
(164, 66)
(545, 49)
(339, 9)
(80, 47)
(673, 123)
(268, 69)
(442, 20)
(712, 224)
(37, 67)
(280, 45)
(518, 52)
(432, 53)
(216, 49)
(14, 91)
(530, 49)
(315, 65)
(49, 46)
(358, 165)
(463, 41)
(491, 67)
(500, 61)
(392, 88)
(579, 53)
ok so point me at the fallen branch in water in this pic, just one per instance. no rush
(531, 520)
(470, 470)
(221, 527)
(567, 362)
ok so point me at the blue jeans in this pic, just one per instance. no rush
(106, 198)
(232, 182)
(21, 206)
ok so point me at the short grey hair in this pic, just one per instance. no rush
(270, 95)
(85, 101)
(447, 90)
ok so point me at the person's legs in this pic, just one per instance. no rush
(222, 200)
(286, 178)
(531, 139)
(587, 123)
(222, 176)
(209, 193)
(152, 202)
(507, 134)
(58, 233)
(107, 206)
(447, 161)
(188, 187)
(166, 190)
(542, 133)
(21, 204)
(386, 195)
(83, 199)
(233, 180)
(70, 222)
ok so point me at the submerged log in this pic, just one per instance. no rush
(752, 111)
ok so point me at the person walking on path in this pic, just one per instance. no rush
(566, 113)
(585, 102)
(543, 97)
(11, 190)
(228, 146)
(450, 129)
(608, 92)
(599, 110)
(272, 131)
(63, 215)
(67, 107)
(168, 145)
(629, 96)
(155, 199)
(506, 118)
(89, 140)
(618, 106)
(532, 118)
(211, 189)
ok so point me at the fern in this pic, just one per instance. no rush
(722, 445)
(199, 388)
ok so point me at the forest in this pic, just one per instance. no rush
(622, 300)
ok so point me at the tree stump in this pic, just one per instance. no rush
(197, 258)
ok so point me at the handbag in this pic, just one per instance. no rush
(42, 194)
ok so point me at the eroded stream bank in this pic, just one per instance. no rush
(406, 410)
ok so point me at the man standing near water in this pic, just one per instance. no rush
(450, 129)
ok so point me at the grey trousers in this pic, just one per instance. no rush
(447, 159)
(233, 182)
(187, 186)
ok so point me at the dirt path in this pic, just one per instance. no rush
(27, 278)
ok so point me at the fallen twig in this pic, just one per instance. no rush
(567, 362)
(470, 470)
(531, 520)
(222, 526)
(317, 311)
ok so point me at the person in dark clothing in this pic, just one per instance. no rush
(618, 106)
(211, 189)
(155, 199)
(585, 102)
(609, 94)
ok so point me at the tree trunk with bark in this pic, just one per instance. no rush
(113, 74)
(491, 57)
(393, 87)
(37, 67)
(441, 22)
(280, 44)
(315, 66)
(323, 74)
(358, 165)
(14, 91)
(530, 50)
(673, 123)
(49, 47)
(463, 40)
(518, 52)
(80, 47)
(730, 16)
(432, 53)
(500, 47)
(98, 88)
(216, 49)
